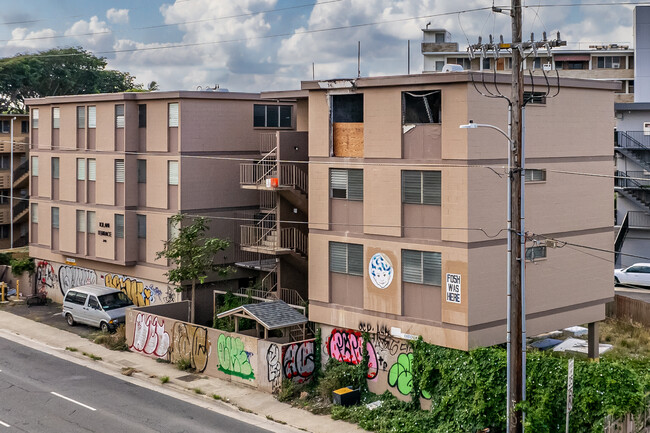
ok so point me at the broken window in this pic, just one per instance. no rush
(421, 107)
(347, 125)
(347, 108)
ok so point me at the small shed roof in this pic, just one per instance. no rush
(271, 315)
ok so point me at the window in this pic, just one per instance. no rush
(119, 116)
(34, 213)
(142, 115)
(81, 221)
(421, 267)
(142, 171)
(5, 127)
(486, 63)
(4, 232)
(537, 63)
(81, 117)
(609, 62)
(172, 171)
(559, 65)
(421, 107)
(90, 218)
(55, 168)
(119, 171)
(142, 226)
(55, 217)
(119, 226)
(34, 168)
(346, 258)
(462, 61)
(92, 169)
(173, 115)
(172, 229)
(5, 161)
(56, 117)
(346, 183)
(439, 65)
(92, 117)
(75, 297)
(630, 86)
(535, 98)
(347, 108)
(24, 127)
(421, 187)
(535, 175)
(93, 303)
(35, 118)
(534, 253)
(272, 116)
(81, 169)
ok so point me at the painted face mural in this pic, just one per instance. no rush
(380, 270)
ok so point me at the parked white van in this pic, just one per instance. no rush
(94, 305)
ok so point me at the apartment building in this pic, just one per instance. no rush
(108, 171)
(599, 62)
(16, 211)
(407, 212)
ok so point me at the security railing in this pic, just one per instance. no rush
(294, 176)
(632, 139)
(268, 142)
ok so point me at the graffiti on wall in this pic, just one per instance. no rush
(346, 346)
(385, 345)
(149, 336)
(73, 276)
(233, 359)
(274, 366)
(298, 361)
(140, 294)
(190, 343)
(400, 375)
(45, 277)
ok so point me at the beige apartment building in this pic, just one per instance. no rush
(407, 212)
(108, 171)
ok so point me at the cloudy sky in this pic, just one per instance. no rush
(254, 45)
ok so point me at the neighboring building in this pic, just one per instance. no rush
(407, 223)
(601, 62)
(109, 170)
(20, 180)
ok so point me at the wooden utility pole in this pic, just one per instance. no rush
(516, 383)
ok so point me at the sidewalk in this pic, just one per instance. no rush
(148, 372)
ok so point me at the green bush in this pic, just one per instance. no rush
(338, 375)
(289, 390)
(20, 266)
(184, 364)
(228, 302)
(113, 341)
(5, 258)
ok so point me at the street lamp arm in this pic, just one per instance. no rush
(473, 125)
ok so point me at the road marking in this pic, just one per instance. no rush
(73, 401)
(4, 424)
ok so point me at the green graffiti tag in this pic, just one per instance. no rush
(233, 359)
(401, 375)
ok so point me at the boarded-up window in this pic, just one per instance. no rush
(92, 117)
(81, 221)
(173, 115)
(56, 117)
(34, 168)
(173, 172)
(92, 169)
(421, 187)
(119, 116)
(421, 267)
(346, 183)
(346, 258)
(119, 171)
(119, 226)
(35, 118)
(347, 125)
(81, 169)
(421, 107)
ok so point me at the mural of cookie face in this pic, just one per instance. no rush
(380, 270)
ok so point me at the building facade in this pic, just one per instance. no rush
(108, 171)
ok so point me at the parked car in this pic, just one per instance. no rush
(636, 275)
(94, 305)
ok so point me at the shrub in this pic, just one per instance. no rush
(184, 364)
(113, 341)
(338, 375)
(20, 266)
(228, 302)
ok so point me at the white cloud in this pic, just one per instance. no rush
(93, 35)
(21, 39)
(118, 16)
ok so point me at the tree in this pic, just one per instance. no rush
(192, 253)
(59, 71)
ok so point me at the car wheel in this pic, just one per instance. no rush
(69, 319)
(104, 327)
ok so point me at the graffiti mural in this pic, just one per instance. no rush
(45, 277)
(170, 295)
(149, 336)
(140, 294)
(233, 359)
(73, 276)
(346, 346)
(191, 343)
(298, 361)
(400, 375)
(386, 346)
(274, 367)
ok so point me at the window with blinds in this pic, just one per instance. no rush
(172, 170)
(35, 118)
(119, 116)
(81, 169)
(55, 217)
(56, 117)
(92, 117)
(421, 187)
(55, 168)
(535, 175)
(173, 115)
(119, 171)
(34, 213)
(92, 169)
(421, 267)
(142, 171)
(534, 253)
(81, 221)
(346, 183)
(81, 117)
(90, 218)
(346, 258)
(119, 226)
(142, 226)
(34, 168)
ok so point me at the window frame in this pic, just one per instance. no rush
(35, 116)
(435, 275)
(81, 117)
(55, 211)
(408, 98)
(173, 121)
(357, 255)
(534, 173)
(34, 213)
(91, 118)
(81, 221)
(81, 169)
(281, 118)
(34, 166)
(56, 117)
(142, 170)
(142, 115)
(120, 171)
(56, 167)
(353, 192)
(91, 220)
(119, 226)
(120, 118)
(173, 178)
(430, 198)
(24, 126)
(530, 253)
(142, 226)
(91, 167)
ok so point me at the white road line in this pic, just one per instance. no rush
(73, 401)
(4, 424)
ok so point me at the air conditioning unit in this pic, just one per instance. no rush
(616, 65)
(551, 243)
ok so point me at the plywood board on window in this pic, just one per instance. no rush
(347, 139)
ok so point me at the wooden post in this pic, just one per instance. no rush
(2, 286)
(17, 289)
(266, 334)
(593, 341)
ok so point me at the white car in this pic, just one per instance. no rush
(636, 275)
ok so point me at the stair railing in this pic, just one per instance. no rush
(620, 236)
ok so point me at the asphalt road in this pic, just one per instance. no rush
(50, 314)
(42, 393)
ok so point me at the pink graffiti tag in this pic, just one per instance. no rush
(345, 346)
(149, 336)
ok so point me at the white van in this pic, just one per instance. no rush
(94, 305)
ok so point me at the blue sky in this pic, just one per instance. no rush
(272, 43)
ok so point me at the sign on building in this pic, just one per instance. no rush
(453, 288)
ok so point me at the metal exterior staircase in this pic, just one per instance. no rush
(21, 210)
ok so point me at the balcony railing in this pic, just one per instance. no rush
(294, 176)
(19, 147)
(20, 207)
(289, 239)
(631, 179)
(268, 142)
(638, 219)
(21, 169)
(632, 139)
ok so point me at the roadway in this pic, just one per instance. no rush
(43, 393)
